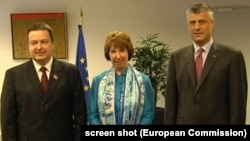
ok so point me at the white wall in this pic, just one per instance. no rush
(135, 17)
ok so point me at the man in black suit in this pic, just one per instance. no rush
(31, 114)
(219, 95)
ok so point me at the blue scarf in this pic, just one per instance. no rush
(132, 100)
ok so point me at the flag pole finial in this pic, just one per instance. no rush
(81, 16)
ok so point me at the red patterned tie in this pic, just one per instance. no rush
(199, 64)
(44, 79)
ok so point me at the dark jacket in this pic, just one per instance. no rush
(219, 98)
(30, 115)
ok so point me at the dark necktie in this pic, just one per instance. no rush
(199, 64)
(44, 79)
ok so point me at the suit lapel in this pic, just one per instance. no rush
(34, 80)
(189, 57)
(54, 77)
(212, 57)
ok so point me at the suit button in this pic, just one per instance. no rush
(45, 106)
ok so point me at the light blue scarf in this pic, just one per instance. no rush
(132, 101)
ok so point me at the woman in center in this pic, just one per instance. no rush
(121, 95)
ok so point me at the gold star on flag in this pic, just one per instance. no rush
(82, 60)
(86, 88)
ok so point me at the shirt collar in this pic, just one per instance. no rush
(206, 47)
(48, 65)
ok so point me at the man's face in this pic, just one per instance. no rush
(200, 27)
(40, 46)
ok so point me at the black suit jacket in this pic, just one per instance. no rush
(219, 98)
(30, 115)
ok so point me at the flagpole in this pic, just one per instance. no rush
(81, 59)
(81, 17)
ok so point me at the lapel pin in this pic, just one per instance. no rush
(55, 76)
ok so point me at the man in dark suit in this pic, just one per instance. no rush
(31, 114)
(219, 95)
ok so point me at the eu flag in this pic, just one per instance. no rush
(81, 62)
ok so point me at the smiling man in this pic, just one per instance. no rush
(31, 113)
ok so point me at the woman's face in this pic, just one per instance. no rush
(118, 57)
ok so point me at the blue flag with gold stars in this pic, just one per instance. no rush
(81, 62)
